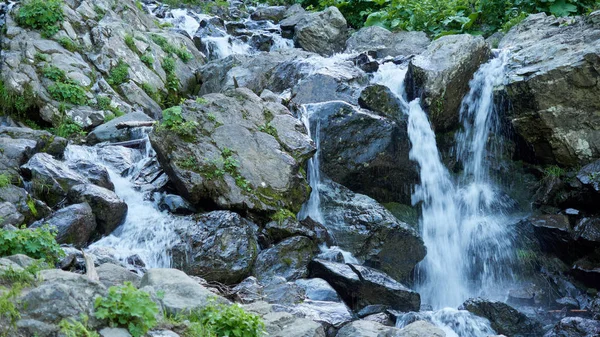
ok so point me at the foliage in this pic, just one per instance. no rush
(74, 328)
(269, 129)
(128, 307)
(190, 164)
(173, 120)
(147, 59)
(228, 320)
(38, 243)
(554, 171)
(69, 44)
(8, 309)
(119, 73)
(43, 15)
(182, 52)
(5, 180)
(103, 102)
(130, 43)
(172, 82)
(100, 12)
(18, 104)
(282, 215)
(68, 92)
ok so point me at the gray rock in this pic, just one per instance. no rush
(370, 232)
(575, 327)
(288, 259)
(386, 43)
(181, 293)
(317, 289)
(280, 230)
(249, 290)
(380, 99)
(440, 76)
(589, 175)
(140, 99)
(323, 32)
(503, 318)
(419, 329)
(22, 200)
(110, 211)
(44, 140)
(547, 58)
(278, 291)
(222, 246)
(120, 158)
(108, 132)
(114, 332)
(235, 159)
(112, 274)
(75, 224)
(9, 215)
(364, 328)
(325, 87)
(95, 173)
(176, 204)
(272, 13)
(361, 286)
(283, 324)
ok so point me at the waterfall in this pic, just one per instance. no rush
(312, 208)
(463, 218)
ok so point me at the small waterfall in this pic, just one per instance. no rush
(146, 231)
(312, 208)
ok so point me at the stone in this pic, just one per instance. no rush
(249, 290)
(361, 286)
(95, 173)
(380, 99)
(9, 215)
(74, 224)
(272, 13)
(503, 318)
(288, 259)
(108, 132)
(110, 210)
(222, 246)
(280, 230)
(575, 327)
(440, 76)
(386, 43)
(334, 314)
(279, 291)
(419, 329)
(114, 332)
(317, 289)
(283, 324)
(364, 328)
(176, 205)
(323, 32)
(44, 140)
(114, 275)
(181, 293)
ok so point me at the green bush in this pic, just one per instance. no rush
(173, 120)
(282, 215)
(5, 180)
(17, 104)
(228, 320)
(119, 73)
(68, 92)
(8, 309)
(69, 44)
(43, 15)
(53, 73)
(38, 243)
(74, 328)
(67, 128)
(147, 59)
(126, 306)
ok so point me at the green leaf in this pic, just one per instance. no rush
(561, 8)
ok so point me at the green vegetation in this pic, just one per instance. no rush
(100, 12)
(64, 89)
(16, 104)
(201, 100)
(147, 59)
(41, 57)
(74, 328)
(554, 171)
(38, 243)
(8, 309)
(190, 164)
(173, 120)
(5, 180)
(269, 129)
(119, 74)
(128, 307)
(130, 43)
(172, 83)
(282, 215)
(69, 44)
(443, 17)
(182, 52)
(43, 15)
(67, 128)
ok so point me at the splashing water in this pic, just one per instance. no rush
(463, 221)
(312, 208)
(455, 323)
(146, 231)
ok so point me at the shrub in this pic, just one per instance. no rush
(5, 180)
(8, 309)
(119, 73)
(73, 328)
(38, 243)
(103, 102)
(18, 104)
(69, 44)
(53, 73)
(228, 320)
(173, 120)
(147, 59)
(128, 307)
(68, 128)
(130, 43)
(68, 92)
(44, 15)
(282, 215)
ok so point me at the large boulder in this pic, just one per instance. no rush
(273, 13)
(323, 32)
(74, 224)
(504, 319)
(575, 327)
(288, 259)
(380, 99)
(18, 145)
(30, 208)
(110, 210)
(365, 152)
(113, 275)
(361, 286)
(365, 328)
(440, 76)
(109, 132)
(419, 329)
(386, 43)
(283, 324)
(553, 88)
(10, 216)
(370, 232)
(245, 154)
(178, 291)
(222, 246)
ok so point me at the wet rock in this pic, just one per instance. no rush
(176, 205)
(323, 32)
(440, 76)
(278, 291)
(119, 158)
(74, 224)
(364, 62)
(221, 246)
(288, 259)
(31, 208)
(548, 58)
(262, 42)
(587, 269)
(108, 132)
(589, 175)
(9, 216)
(241, 157)
(44, 140)
(112, 274)
(96, 174)
(273, 13)
(364, 328)
(318, 289)
(249, 290)
(588, 230)
(380, 99)
(386, 43)
(280, 230)
(370, 232)
(362, 286)
(552, 231)
(343, 85)
(503, 318)
(365, 152)
(181, 293)
(110, 211)
(575, 327)
(50, 178)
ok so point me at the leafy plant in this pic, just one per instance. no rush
(269, 129)
(129, 307)
(173, 120)
(228, 320)
(8, 309)
(103, 102)
(282, 215)
(182, 52)
(130, 42)
(68, 92)
(5, 180)
(69, 44)
(54, 73)
(38, 243)
(73, 328)
(68, 128)
(13, 103)
(119, 74)
(43, 15)
(25, 276)
(147, 59)
(554, 171)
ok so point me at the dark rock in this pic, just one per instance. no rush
(278, 291)
(32, 209)
(589, 175)
(110, 211)
(386, 43)
(568, 302)
(280, 230)
(575, 327)
(75, 224)
(380, 99)
(588, 230)
(317, 289)
(96, 174)
(176, 205)
(372, 309)
(288, 259)
(262, 42)
(323, 32)
(362, 286)
(440, 76)
(365, 64)
(370, 232)
(273, 13)
(503, 318)
(552, 231)
(587, 269)
(222, 247)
